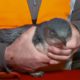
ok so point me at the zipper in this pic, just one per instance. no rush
(34, 6)
(35, 3)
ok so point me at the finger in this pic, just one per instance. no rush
(34, 67)
(54, 62)
(41, 57)
(58, 51)
(74, 42)
(31, 31)
(58, 57)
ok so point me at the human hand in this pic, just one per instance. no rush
(23, 54)
(66, 53)
(74, 42)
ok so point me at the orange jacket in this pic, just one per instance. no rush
(16, 13)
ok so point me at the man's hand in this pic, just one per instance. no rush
(74, 42)
(66, 53)
(23, 54)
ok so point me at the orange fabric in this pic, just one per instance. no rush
(51, 9)
(15, 13)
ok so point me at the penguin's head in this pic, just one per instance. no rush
(57, 31)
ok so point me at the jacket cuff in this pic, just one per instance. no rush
(76, 24)
(3, 64)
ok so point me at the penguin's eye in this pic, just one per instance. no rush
(52, 34)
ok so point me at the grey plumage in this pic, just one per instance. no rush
(53, 31)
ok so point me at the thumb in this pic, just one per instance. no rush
(30, 32)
